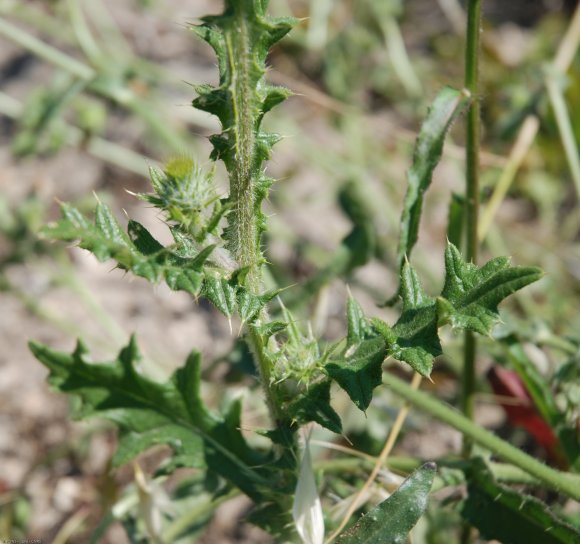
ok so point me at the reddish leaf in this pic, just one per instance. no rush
(515, 399)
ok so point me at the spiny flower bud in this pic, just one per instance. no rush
(185, 192)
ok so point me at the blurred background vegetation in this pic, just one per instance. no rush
(94, 92)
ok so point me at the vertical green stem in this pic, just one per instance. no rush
(473, 126)
(244, 233)
(468, 384)
(244, 236)
(472, 193)
(257, 347)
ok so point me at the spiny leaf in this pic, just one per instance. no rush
(187, 447)
(418, 351)
(503, 514)
(182, 265)
(358, 325)
(108, 226)
(469, 301)
(414, 338)
(392, 520)
(314, 405)
(137, 251)
(448, 104)
(150, 413)
(471, 295)
(142, 239)
(250, 305)
(269, 329)
(221, 294)
(359, 372)
(272, 96)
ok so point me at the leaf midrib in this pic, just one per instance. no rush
(89, 377)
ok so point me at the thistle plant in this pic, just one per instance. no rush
(217, 254)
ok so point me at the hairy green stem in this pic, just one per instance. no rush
(472, 193)
(244, 237)
(257, 348)
(559, 481)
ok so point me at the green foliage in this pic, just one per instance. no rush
(184, 265)
(136, 250)
(314, 405)
(446, 107)
(19, 226)
(468, 301)
(41, 130)
(544, 400)
(185, 193)
(241, 38)
(216, 253)
(172, 413)
(298, 375)
(413, 339)
(503, 514)
(471, 294)
(456, 219)
(360, 371)
(392, 520)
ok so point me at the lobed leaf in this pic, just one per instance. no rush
(414, 338)
(469, 301)
(150, 413)
(314, 405)
(182, 265)
(221, 294)
(136, 251)
(358, 373)
(471, 294)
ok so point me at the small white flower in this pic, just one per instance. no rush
(307, 510)
(153, 502)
